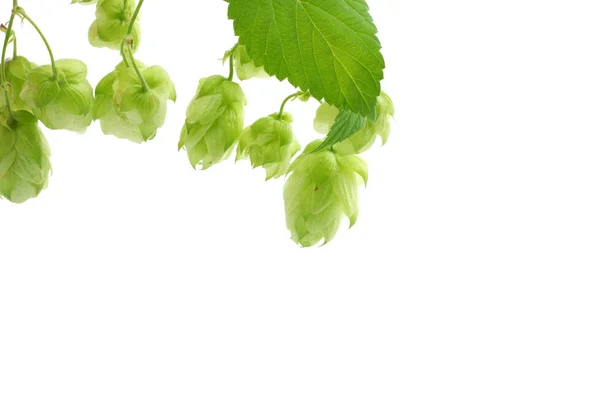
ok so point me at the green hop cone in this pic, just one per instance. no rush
(269, 143)
(245, 67)
(84, 2)
(129, 110)
(64, 102)
(364, 139)
(322, 188)
(214, 121)
(111, 24)
(24, 158)
(17, 70)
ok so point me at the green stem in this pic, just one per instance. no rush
(126, 39)
(125, 59)
(290, 97)
(3, 82)
(231, 55)
(23, 14)
(128, 42)
(134, 17)
(137, 70)
(14, 46)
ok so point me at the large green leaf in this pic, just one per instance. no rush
(327, 47)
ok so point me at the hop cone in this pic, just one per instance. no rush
(269, 143)
(321, 190)
(245, 67)
(112, 21)
(17, 70)
(64, 102)
(84, 2)
(214, 121)
(24, 158)
(363, 139)
(126, 109)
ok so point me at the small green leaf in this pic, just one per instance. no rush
(346, 124)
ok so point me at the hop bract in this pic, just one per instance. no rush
(214, 121)
(111, 24)
(129, 110)
(63, 101)
(24, 158)
(245, 67)
(17, 70)
(269, 143)
(363, 139)
(322, 188)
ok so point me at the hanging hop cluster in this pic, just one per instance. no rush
(131, 103)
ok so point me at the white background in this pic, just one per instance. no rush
(471, 274)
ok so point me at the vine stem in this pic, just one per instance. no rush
(290, 97)
(231, 55)
(137, 70)
(128, 41)
(3, 63)
(23, 14)
(134, 17)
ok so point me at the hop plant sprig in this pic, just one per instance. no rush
(131, 102)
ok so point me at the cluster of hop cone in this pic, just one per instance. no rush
(131, 103)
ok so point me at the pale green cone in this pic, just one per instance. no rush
(126, 109)
(321, 189)
(269, 143)
(214, 121)
(84, 2)
(111, 24)
(244, 66)
(17, 70)
(24, 158)
(64, 102)
(364, 139)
